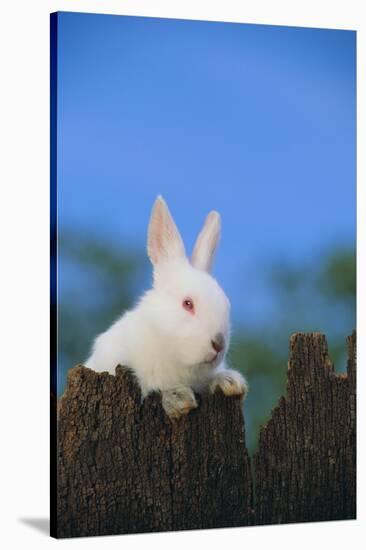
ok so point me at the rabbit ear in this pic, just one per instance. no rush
(163, 240)
(206, 243)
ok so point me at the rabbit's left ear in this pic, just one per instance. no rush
(164, 241)
(206, 243)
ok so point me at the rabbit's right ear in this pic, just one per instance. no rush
(163, 240)
(206, 244)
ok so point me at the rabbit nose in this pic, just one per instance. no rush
(218, 343)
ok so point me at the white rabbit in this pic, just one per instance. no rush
(176, 337)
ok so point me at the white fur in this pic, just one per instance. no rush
(166, 346)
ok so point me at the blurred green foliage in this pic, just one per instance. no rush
(318, 296)
(337, 277)
(100, 283)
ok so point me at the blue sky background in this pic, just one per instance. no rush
(255, 121)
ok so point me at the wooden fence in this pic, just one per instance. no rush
(124, 467)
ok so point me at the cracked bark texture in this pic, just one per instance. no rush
(124, 467)
(305, 467)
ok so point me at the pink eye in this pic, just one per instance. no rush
(188, 305)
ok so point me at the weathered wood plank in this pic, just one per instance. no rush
(305, 467)
(124, 467)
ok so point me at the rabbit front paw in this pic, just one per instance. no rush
(178, 401)
(230, 382)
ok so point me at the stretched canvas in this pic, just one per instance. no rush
(203, 294)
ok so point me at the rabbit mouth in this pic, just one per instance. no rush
(211, 360)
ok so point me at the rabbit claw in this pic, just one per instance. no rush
(230, 382)
(178, 401)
